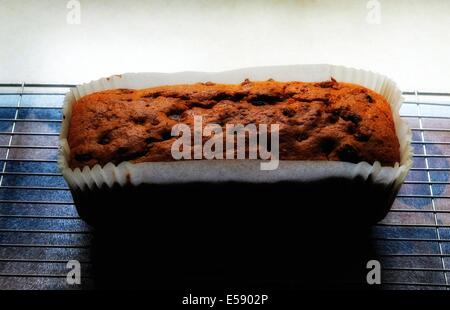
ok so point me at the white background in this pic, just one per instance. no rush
(411, 44)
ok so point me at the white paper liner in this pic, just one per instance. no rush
(237, 170)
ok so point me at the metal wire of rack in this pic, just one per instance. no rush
(40, 230)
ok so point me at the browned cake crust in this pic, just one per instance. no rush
(318, 121)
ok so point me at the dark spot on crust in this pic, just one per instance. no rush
(202, 104)
(209, 83)
(239, 96)
(83, 157)
(155, 121)
(302, 136)
(104, 138)
(369, 98)
(351, 128)
(262, 99)
(122, 150)
(270, 80)
(221, 96)
(288, 112)
(151, 140)
(333, 118)
(348, 153)
(227, 96)
(166, 135)
(345, 114)
(354, 118)
(362, 137)
(325, 101)
(258, 103)
(337, 112)
(175, 112)
(328, 144)
(151, 95)
(139, 120)
(179, 96)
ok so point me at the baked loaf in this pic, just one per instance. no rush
(317, 121)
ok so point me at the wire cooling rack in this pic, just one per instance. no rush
(40, 230)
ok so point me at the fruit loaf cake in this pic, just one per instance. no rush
(326, 120)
